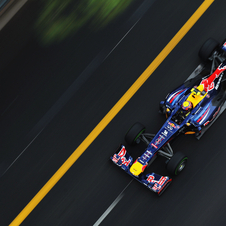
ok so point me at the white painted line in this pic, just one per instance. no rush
(121, 39)
(111, 207)
(9, 106)
(22, 152)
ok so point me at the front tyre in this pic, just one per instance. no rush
(177, 163)
(132, 137)
(208, 48)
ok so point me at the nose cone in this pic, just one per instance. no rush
(136, 169)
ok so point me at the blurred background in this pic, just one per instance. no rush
(58, 20)
(63, 66)
(45, 37)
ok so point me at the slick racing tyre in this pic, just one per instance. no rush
(177, 163)
(132, 137)
(208, 48)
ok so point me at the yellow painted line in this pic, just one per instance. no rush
(111, 114)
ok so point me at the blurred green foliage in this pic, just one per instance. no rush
(62, 18)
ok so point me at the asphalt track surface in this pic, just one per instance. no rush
(36, 141)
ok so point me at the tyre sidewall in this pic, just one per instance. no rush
(208, 48)
(134, 133)
(177, 163)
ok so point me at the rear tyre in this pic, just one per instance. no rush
(177, 163)
(132, 137)
(208, 48)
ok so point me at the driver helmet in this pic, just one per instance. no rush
(187, 105)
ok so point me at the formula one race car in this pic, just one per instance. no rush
(190, 109)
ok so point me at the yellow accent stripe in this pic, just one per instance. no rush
(111, 114)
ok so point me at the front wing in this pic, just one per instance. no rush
(153, 181)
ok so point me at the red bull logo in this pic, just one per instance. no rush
(172, 125)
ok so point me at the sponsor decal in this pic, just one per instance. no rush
(172, 125)
(207, 86)
(150, 179)
(165, 133)
(216, 113)
(154, 145)
(143, 167)
(172, 97)
(121, 156)
(162, 180)
(159, 139)
(208, 83)
(222, 66)
(202, 118)
(219, 81)
(224, 46)
(147, 155)
(169, 128)
(157, 184)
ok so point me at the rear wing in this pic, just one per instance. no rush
(153, 181)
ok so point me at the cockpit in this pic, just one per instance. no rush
(182, 112)
(196, 95)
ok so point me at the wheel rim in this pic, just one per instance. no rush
(139, 135)
(181, 166)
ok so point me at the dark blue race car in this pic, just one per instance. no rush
(190, 109)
